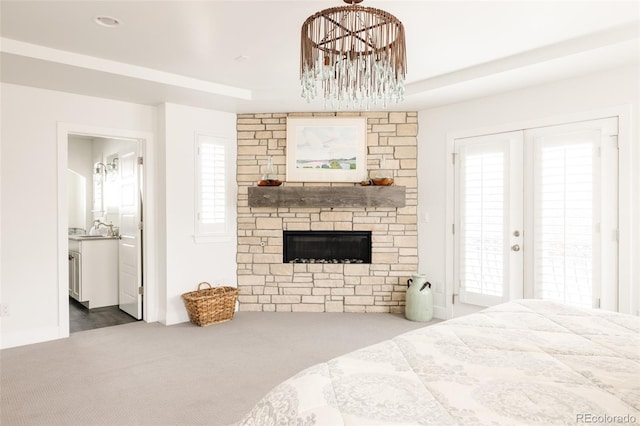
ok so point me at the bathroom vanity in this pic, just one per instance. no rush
(93, 270)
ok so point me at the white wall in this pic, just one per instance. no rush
(29, 220)
(186, 262)
(598, 91)
(29, 216)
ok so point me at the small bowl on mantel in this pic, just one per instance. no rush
(382, 181)
(270, 182)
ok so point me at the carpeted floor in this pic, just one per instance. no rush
(150, 374)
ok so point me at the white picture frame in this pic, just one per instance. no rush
(326, 149)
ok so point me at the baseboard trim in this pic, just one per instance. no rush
(14, 339)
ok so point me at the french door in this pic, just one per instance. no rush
(536, 216)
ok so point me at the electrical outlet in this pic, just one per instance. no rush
(4, 310)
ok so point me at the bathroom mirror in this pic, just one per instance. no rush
(77, 199)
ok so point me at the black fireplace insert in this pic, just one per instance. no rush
(326, 247)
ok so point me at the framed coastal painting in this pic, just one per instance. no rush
(326, 149)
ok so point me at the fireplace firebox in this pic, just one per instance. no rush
(326, 247)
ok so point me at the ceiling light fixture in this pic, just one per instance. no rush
(357, 52)
(106, 21)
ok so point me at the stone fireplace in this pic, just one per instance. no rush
(268, 281)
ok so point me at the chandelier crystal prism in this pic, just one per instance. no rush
(356, 54)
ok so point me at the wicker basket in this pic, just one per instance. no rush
(210, 305)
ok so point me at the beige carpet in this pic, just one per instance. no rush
(150, 374)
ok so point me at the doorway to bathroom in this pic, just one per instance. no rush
(104, 221)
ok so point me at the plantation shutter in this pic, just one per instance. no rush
(212, 205)
(564, 216)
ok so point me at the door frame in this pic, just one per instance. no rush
(625, 175)
(145, 140)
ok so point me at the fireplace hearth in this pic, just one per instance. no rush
(326, 247)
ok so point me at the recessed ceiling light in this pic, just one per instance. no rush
(106, 21)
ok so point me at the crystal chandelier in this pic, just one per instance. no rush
(358, 54)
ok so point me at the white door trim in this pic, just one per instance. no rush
(150, 298)
(626, 304)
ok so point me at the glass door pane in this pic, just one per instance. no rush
(564, 222)
(482, 260)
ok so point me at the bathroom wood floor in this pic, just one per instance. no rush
(81, 318)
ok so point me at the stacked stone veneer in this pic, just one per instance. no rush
(266, 284)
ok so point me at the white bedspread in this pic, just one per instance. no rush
(522, 362)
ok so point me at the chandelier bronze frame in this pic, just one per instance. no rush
(358, 52)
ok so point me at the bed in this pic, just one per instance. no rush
(518, 363)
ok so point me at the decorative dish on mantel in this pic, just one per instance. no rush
(270, 182)
(382, 181)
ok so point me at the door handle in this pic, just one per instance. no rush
(515, 247)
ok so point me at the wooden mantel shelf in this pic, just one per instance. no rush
(327, 196)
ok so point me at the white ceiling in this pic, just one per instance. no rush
(187, 51)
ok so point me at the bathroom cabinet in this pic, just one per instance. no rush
(74, 275)
(93, 271)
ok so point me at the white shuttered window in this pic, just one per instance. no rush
(212, 216)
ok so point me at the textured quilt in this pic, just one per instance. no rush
(519, 363)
